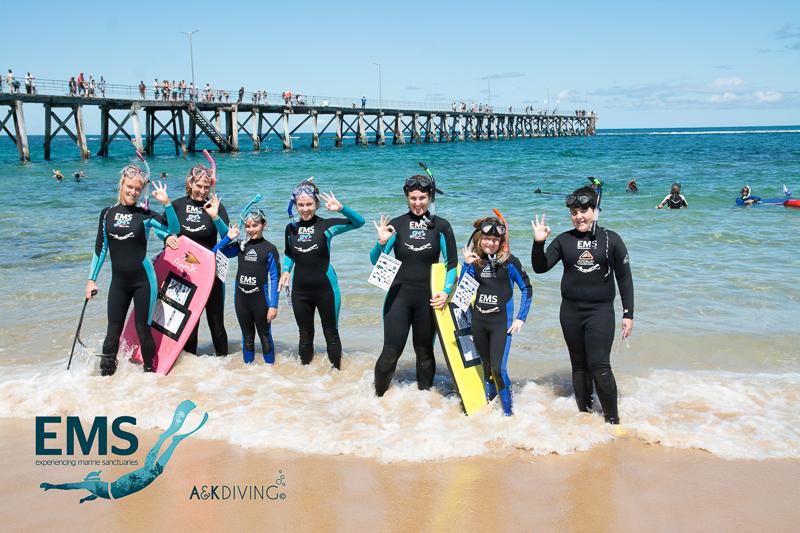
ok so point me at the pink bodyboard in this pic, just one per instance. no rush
(185, 277)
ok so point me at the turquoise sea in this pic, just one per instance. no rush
(713, 363)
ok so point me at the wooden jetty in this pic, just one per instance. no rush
(227, 124)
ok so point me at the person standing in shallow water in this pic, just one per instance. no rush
(674, 200)
(417, 238)
(203, 219)
(122, 234)
(590, 254)
(315, 285)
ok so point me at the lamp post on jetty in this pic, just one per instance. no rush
(191, 52)
(380, 89)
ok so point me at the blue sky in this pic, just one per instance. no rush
(637, 64)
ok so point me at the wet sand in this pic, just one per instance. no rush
(625, 485)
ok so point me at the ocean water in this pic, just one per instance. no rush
(714, 361)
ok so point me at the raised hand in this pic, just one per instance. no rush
(160, 193)
(331, 203)
(385, 231)
(469, 255)
(540, 230)
(212, 207)
(233, 231)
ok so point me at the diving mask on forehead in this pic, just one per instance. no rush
(580, 201)
(305, 188)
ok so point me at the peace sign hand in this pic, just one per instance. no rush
(160, 193)
(540, 230)
(385, 231)
(331, 203)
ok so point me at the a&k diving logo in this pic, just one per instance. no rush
(273, 491)
(135, 480)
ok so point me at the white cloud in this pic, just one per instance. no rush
(733, 81)
(768, 96)
(565, 94)
(727, 96)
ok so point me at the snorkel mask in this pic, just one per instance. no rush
(306, 187)
(144, 171)
(250, 213)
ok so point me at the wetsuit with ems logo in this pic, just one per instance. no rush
(196, 224)
(314, 284)
(256, 292)
(122, 234)
(417, 242)
(587, 307)
(492, 316)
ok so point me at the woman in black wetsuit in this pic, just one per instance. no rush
(122, 234)
(315, 285)
(417, 238)
(204, 229)
(589, 254)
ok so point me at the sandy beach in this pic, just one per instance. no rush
(625, 485)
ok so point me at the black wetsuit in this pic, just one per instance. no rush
(315, 285)
(256, 292)
(122, 233)
(674, 201)
(198, 226)
(417, 242)
(492, 316)
(587, 307)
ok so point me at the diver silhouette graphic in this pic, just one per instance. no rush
(141, 477)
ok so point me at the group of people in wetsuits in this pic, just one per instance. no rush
(589, 255)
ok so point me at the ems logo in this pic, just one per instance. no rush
(587, 245)
(193, 209)
(251, 255)
(305, 230)
(586, 259)
(487, 299)
(417, 225)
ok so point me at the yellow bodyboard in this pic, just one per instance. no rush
(453, 327)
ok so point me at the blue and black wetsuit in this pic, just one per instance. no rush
(122, 233)
(196, 224)
(492, 316)
(587, 307)
(314, 284)
(417, 242)
(256, 292)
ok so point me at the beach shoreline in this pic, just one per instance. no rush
(623, 485)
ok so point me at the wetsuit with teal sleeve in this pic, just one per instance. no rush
(417, 242)
(492, 316)
(255, 293)
(198, 225)
(314, 284)
(587, 307)
(122, 234)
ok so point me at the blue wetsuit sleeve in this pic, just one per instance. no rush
(222, 227)
(341, 225)
(466, 269)
(542, 260)
(447, 242)
(173, 226)
(228, 247)
(520, 277)
(377, 250)
(288, 260)
(273, 274)
(100, 247)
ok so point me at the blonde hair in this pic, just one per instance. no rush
(191, 180)
(475, 242)
(123, 177)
